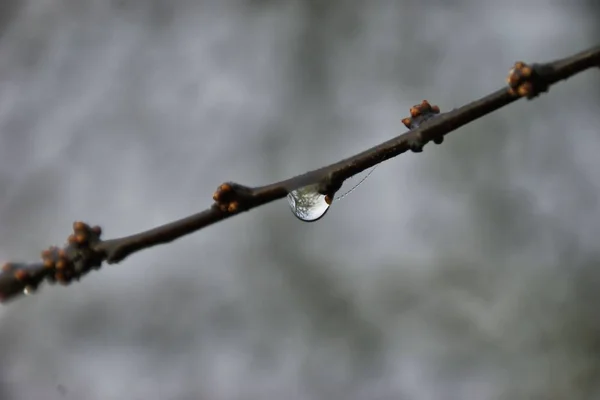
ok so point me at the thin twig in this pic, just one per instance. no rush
(85, 250)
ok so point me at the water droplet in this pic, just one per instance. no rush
(307, 203)
(29, 290)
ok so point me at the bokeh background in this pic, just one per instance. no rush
(470, 271)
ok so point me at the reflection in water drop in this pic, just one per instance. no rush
(309, 205)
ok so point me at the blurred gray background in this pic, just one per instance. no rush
(470, 271)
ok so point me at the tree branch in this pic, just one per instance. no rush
(85, 251)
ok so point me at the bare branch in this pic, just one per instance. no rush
(85, 250)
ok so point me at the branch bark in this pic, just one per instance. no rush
(85, 251)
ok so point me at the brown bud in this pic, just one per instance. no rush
(233, 206)
(525, 89)
(81, 238)
(21, 274)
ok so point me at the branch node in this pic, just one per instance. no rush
(528, 80)
(416, 144)
(420, 113)
(77, 258)
(232, 197)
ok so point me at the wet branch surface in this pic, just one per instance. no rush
(86, 251)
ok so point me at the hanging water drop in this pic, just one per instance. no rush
(307, 203)
(28, 290)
